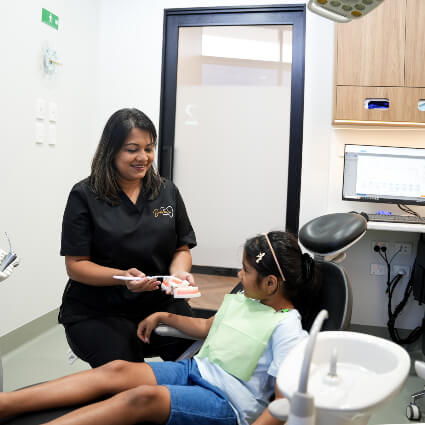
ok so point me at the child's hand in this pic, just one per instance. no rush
(146, 327)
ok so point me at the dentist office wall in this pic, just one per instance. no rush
(46, 111)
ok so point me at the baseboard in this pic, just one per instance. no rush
(30, 330)
(218, 271)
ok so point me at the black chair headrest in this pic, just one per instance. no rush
(332, 232)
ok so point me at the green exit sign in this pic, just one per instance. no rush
(50, 19)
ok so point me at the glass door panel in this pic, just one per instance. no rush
(232, 130)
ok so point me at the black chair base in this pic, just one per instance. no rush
(41, 417)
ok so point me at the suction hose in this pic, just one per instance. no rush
(308, 354)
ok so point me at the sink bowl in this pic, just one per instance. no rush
(369, 372)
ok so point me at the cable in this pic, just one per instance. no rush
(408, 210)
(391, 286)
(392, 316)
(395, 255)
(382, 252)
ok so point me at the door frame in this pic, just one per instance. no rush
(233, 16)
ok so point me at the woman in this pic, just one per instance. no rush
(225, 384)
(124, 219)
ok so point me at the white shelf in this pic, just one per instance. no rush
(396, 227)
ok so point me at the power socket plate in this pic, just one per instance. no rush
(378, 269)
(404, 248)
(397, 269)
(381, 244)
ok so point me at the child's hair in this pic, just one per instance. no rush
(301, 274)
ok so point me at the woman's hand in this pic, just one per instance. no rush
(142, 283)
(147, 325)
(185, 276)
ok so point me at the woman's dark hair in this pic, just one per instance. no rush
(301, 274)
(103, 178)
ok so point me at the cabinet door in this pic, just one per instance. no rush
(403, 105)
(371, 50)
(415, 43)
(414, 96)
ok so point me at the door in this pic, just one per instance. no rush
(231, 123)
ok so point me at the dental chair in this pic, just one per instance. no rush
(327, 237)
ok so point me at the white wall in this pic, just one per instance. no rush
(137, 46)
(112, 53)
(35, 179)
(322, 145)
(370, 306)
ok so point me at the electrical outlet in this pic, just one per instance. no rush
(399, 269)
(381, 244)
(378, 269)
(403, 248)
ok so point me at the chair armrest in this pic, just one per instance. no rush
(165, 330)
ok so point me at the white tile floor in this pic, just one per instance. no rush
(46, 357)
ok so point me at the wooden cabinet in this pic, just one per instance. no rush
(382, 56)
(403, 109)
(370, 50)
(415, 43)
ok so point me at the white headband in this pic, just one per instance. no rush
(274, 256)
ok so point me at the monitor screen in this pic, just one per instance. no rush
(384, 174)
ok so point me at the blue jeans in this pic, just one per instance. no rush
(193, 399)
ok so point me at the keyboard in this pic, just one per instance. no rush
(411, 219)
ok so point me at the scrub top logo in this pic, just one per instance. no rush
(166, 211)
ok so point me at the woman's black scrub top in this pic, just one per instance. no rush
(144, 235)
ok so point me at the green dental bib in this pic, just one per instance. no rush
(239, 334)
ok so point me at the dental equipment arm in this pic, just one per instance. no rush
(8, 261)
(326, 13)
(301, 411)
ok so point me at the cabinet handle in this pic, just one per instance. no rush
(377, 104)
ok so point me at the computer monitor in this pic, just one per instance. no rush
(384, 174)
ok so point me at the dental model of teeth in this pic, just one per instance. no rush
(171, 285)
(179, 288)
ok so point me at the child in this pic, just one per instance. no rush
(232, 378)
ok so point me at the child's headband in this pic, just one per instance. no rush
(274, 256)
